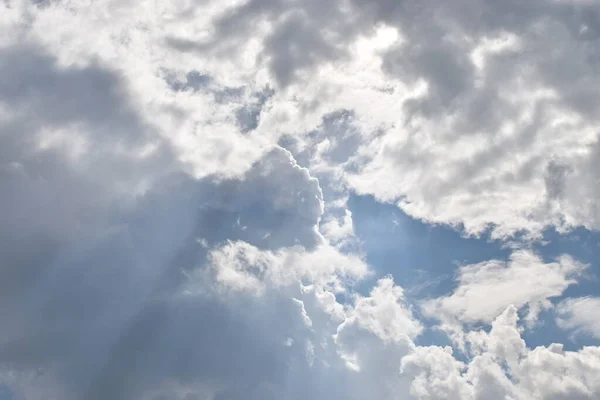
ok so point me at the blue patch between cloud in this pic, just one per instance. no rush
(423, 259)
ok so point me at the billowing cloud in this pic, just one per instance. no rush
(479, 116)
(486, 289)
(503, 367)
(174, 178)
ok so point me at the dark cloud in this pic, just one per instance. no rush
(305, 34)
(555, 179)
(32, 82)
(48, 202)
(92, 275)
(193, 80)
(248, 116)
(558, 48)
(108, 313)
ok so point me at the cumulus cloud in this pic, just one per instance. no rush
(484, 290)
(466, 144)
(503, 367)
(243, 267)
(174, 178)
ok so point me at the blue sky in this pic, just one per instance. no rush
(423, 259)
(420, 256)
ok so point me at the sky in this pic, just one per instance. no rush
(299, 199)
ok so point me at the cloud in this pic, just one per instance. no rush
(579, 315)
(467, 144)
(115, 233)
(503, 367)
(486, 289)
(174, 176)
(242, 267)
(470, 145)
(103, 219)
(115, 297)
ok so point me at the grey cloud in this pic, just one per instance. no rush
(70, 265)
(555, 179)
(31, 81)
(90, 100)
(445, 66)
(336, 127)
(296, 45)
(194, 340)
(275, 197)
(196, 81)
(550, 52)
(96, 302)
(344, 138)
(432, 50)
(101, 302)
(305, 34)
(248, 116)
(47, 202)
(323, 31)
(42, 3)
(108, 315)
(580, 187)
(339, 131)
(106, 311)
(558, 51)
(193, 80)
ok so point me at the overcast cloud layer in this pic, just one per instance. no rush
(174, 178)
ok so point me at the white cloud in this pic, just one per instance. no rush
(472, 144)
(243, 267)
(339, 230)
(159, 241)
(436, 374)
(383, 314)
(374, 336)
(580, 315)
(503, 368)
(543, 373)
(487, 288)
